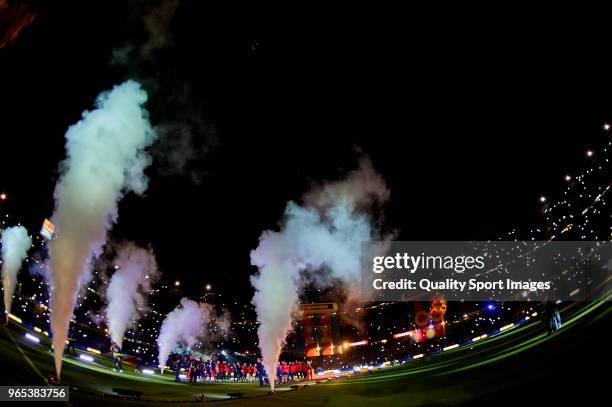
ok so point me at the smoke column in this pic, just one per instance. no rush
(15, 246)
(105, 158)
(185, 323)
(326, 232)
(128, 289)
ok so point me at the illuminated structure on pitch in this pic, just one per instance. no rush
(317, 332)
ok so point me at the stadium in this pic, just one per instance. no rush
(312, 222)
(515, 360)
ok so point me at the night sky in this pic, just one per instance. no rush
(467, 133)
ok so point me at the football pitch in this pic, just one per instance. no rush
(521, 365)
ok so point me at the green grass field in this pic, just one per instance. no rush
(522, 365)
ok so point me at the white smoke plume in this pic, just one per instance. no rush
(154, 19)
(129, 287)
(327, 233)
(105, 159)
(15, 246)
(362, 188)
(185, 324)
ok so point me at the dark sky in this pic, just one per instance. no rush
(467, 131)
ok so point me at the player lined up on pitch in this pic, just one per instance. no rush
(194, 369)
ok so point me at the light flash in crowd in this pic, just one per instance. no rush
(606, 126)
(542, 199)
(589, 153)
(208, 287)
(3, 196)
(177, 283)
(47, 229)
(568, 178)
